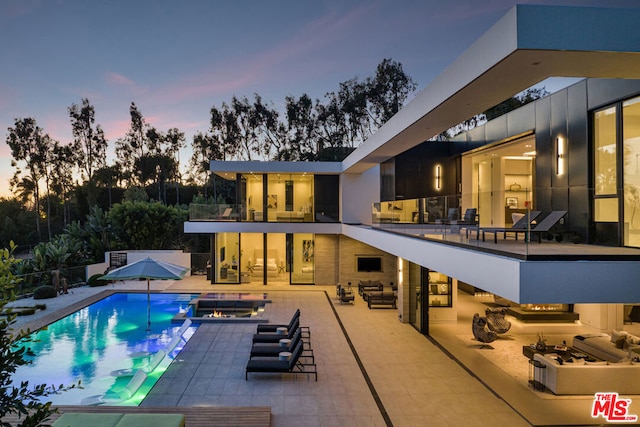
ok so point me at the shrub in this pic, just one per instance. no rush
(93, 281)
(44, 292)
(26, 311)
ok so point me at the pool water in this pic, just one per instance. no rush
(108, 335)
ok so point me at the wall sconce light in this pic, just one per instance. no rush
(438, 177)
(560, 153)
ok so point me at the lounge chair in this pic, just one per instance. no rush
(169, 348)
(452, 215)
(276, 365)
(547, 223)
(183, 328)
(347, 297)
(273, 350)
(469, 221)
(153, 364)
(273, 327)
(126, 393)
(523, 225)
(275, 337)
(226, 215)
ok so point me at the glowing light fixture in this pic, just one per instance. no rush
(438, 177)
(560, 153)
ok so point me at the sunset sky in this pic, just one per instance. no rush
(176, 59)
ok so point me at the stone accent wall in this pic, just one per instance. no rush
(327, 256)
(349, 248)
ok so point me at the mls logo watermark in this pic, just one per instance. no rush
(612, 408)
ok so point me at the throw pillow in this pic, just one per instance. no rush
(617, 334)
(632, 340)
(620, 342)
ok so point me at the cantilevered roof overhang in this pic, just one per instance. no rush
(528, 45)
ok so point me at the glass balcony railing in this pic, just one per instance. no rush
(497, 219)
(232, 212)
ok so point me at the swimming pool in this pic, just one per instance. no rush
(109, 335)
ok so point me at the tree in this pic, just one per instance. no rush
(48, 165)
(270, 132)
(515, 102)
(504, 107)
(62, 177)
(175, 140)
(203, 149)
(30, 145)
(108, 176)
(89, 143)
(388, 90)
(16, 223)
(301, 139)
(330, 125)
(146, 225)
(245, 128)
(135, 144)
(21, 399)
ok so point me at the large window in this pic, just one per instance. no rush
(631, 176)
(253, 190)
(303, 258)
(605, 205)
(290, 197)
(616, 153)
(227, 258)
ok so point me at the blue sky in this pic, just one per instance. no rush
(176, 59)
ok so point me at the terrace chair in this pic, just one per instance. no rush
(523, 225)
(547, 223)
(168, 348)
(275, 337)
(469, 221)
(347, 297)
(226, 214)
(275, 365)
(150, 367)
(113, 398)
(273, 327)
(452, 215)
(183, 328)
(273, 350)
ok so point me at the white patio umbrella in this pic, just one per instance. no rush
(147, 268)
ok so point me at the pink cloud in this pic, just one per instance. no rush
(121, 82)
(118, 79)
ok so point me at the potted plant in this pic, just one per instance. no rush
(541, 345)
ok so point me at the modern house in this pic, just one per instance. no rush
(393, 210)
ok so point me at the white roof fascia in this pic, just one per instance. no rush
(318, 168)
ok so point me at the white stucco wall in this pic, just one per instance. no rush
(357, 192)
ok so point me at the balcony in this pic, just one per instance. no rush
(239, 213)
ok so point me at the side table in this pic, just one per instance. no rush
(537, 375)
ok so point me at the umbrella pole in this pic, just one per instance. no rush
(148, 307)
